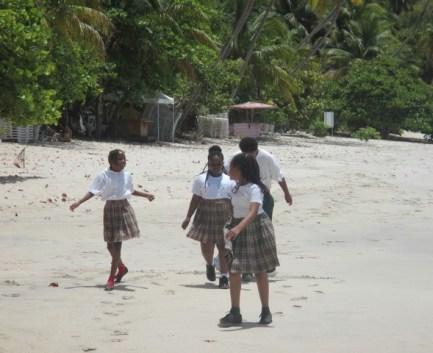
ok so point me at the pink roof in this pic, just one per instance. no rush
(252, 105)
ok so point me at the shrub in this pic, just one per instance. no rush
(366, 133)
(319, 129)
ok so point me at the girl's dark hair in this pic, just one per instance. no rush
(214, 150)
(112, 156)
(249, 169)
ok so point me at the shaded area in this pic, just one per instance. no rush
(12, 179)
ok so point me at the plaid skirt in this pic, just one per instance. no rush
(119, 221)
(209, 221)
(254, 249)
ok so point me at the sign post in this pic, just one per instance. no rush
(328, 120)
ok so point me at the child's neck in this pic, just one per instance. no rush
(243, 181)
(215, 174)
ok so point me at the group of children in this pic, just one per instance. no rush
(227, 206)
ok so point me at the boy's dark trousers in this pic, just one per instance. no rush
(268, 204)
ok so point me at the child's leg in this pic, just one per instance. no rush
(224, 267)
(263, 287)
(235, 289)
(116, 249)
(207, 250)
(110, 249)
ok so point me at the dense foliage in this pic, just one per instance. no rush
(370, 61)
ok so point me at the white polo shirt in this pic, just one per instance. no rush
(269, 168)
(212, 188)
(110, 185)
(243, 196)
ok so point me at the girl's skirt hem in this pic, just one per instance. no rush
(209, 221)
(120, 223)
(254, 249)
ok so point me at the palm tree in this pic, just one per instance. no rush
(80, 21)
(425, 49)
(361, 35)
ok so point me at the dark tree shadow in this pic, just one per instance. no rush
(207, 286)
(119, 287)
(244, 326)
(12, 179)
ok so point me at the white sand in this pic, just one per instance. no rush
(356, 253)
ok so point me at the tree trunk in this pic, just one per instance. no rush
(99, 112)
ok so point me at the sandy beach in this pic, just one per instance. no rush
(356, 249)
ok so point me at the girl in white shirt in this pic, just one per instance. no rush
(252, 236)
(211, 204)
(114, 186)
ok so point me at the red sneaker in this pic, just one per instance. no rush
(110, 284)
(122, 272)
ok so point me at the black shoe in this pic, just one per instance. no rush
(210, 273)
(265, 316)
(224, 282)
(247, 277)
(233, 318)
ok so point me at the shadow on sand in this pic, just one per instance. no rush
(118, 287)
(12, 179)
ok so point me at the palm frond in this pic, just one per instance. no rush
(203, 38)
(97, 19)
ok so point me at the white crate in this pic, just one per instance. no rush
(21, 134)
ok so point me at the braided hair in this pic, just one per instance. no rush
(249, 169)
(214, 151)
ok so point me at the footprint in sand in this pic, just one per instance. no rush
(88, 349)
(11, 283)
(169, 292)
(119, 333)
(12, 295)
(298, 298)
(319, 292)
(110, 313)
(128, 297)
(297, 306)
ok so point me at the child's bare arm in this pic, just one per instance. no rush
(192, 207)
(146, 195)
(86, 197)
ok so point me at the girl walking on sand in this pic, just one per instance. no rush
(211, 204)
(114, 186)
(253, 248)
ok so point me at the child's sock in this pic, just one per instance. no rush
(111, 278)
(235, 310)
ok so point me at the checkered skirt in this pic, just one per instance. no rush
(210, 218)
(254, 249)
(119, 221)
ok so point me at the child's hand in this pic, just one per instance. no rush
(232, 234)
(74, 206)
(185, 223)
(151, 197)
